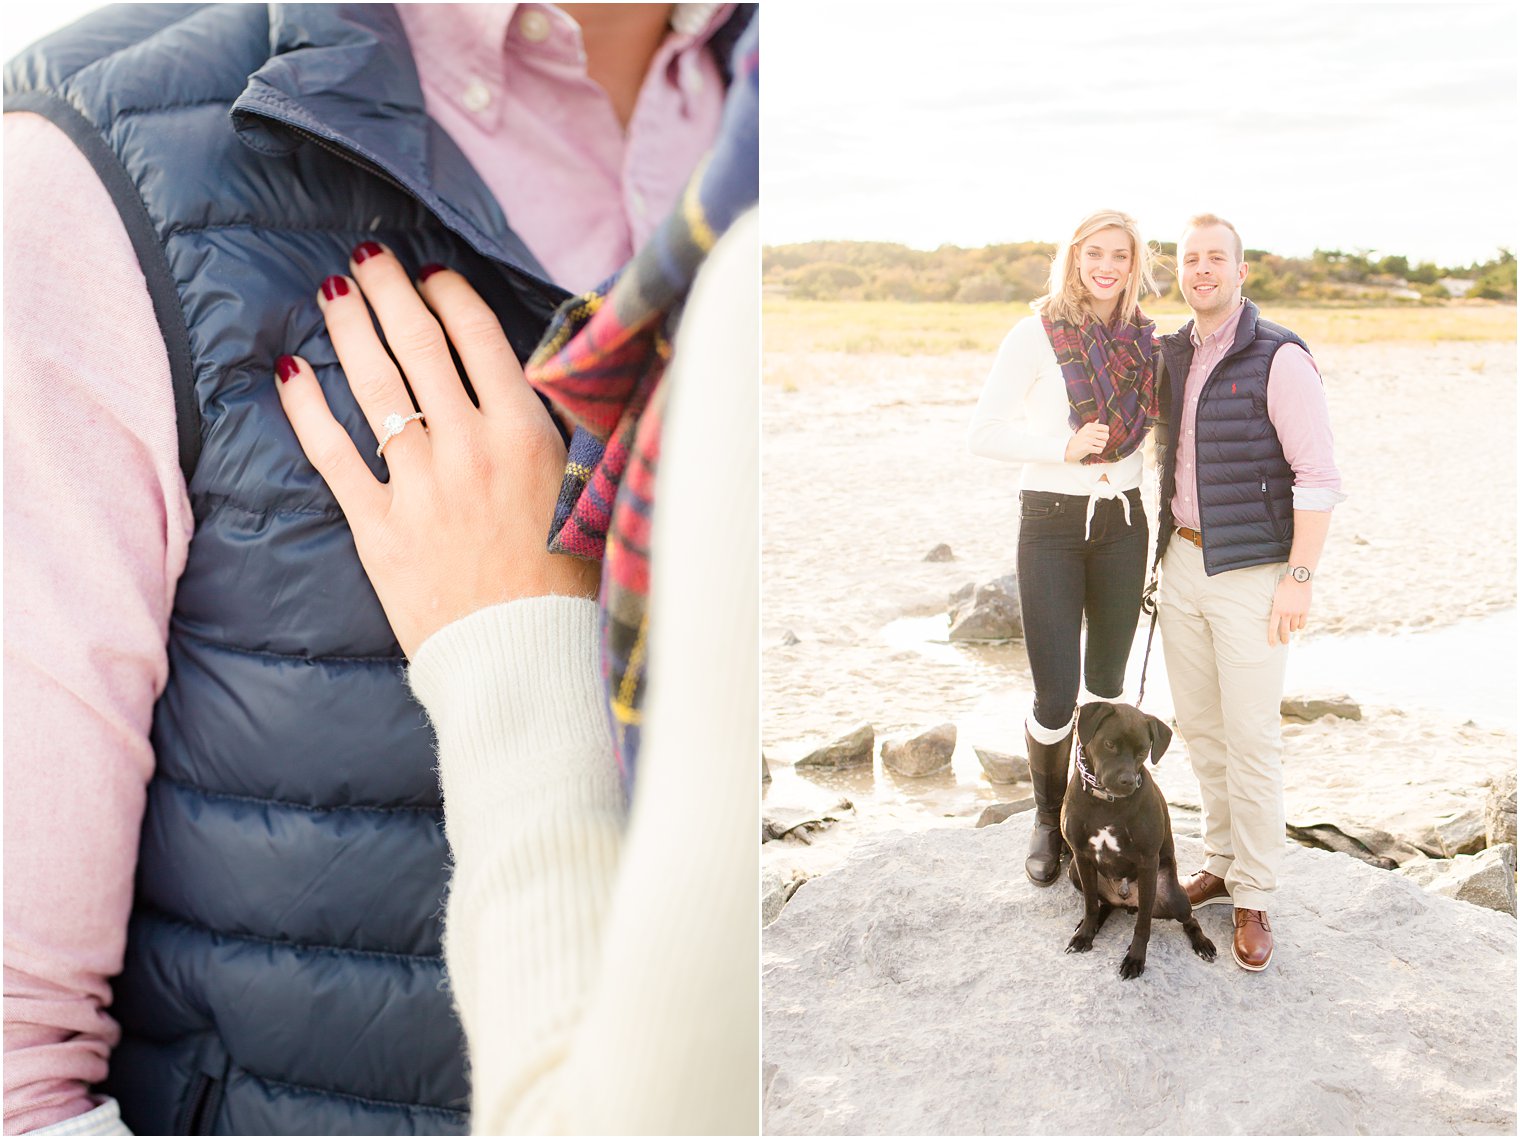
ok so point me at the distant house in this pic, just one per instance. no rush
(1456, 286)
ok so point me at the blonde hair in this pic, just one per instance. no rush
(1067, 298)
(1198, 221)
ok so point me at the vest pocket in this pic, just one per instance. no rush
(1274, 514)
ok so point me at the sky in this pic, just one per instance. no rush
(1390, 127)
(27, 21)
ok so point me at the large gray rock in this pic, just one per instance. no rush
(1002, 767)
(1460, 832)
(940, 553)
(988, 612)
(1313, 707)
(1373, 846)
(777, 885)
(801, 822)
(923, 987)
(923, 754)
(1499, 811)
(854, 750)
(1002, 812)
(1485, 879)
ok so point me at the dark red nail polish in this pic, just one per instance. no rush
(286, 366)
(428, 270)
(365, 250)
(335, 287)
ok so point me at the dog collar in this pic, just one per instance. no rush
(1089, 781)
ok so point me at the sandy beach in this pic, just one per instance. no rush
(866, 470)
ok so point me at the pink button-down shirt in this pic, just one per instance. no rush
(508, 82)
(1295, 405)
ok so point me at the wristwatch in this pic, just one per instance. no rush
(1300, 574)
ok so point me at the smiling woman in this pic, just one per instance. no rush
(1071, 397)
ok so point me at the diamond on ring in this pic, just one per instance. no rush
(394, 424)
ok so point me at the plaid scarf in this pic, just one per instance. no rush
(601, 364)
(1110, 378)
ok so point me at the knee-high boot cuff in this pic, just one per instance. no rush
(1040, 733)
(1048, 767)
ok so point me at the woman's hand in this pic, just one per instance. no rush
(1090, 439)
(463, 521)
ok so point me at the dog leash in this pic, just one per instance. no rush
(1148, 605)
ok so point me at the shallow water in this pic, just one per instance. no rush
(1467, 670)
(1462, 673)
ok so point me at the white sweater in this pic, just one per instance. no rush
(607, 972)
(1022, 418)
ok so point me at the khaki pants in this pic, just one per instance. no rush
(1227, 685)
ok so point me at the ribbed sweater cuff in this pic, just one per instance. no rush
(534, 811)
(515, 697)
(522, 673)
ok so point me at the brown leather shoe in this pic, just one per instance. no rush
(1205, 889)
(1252, 946)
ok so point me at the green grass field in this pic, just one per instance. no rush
(936, 329)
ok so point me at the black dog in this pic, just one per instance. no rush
(1114, 818)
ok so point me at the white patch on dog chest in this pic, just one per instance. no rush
(1104, 840)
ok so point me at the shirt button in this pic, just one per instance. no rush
(640, 207)
(477, 96)
(534, 26)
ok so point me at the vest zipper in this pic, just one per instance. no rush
(349, 156)
(197, 1116)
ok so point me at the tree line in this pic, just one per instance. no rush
(881, 271)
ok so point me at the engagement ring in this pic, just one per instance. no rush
(394, 424)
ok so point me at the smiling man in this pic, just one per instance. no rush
(1248, 481)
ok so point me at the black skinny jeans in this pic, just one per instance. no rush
(1063, 575)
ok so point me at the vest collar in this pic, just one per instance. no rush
(342, 76)
(1245, 331)
(340, 73)
(1180, 343)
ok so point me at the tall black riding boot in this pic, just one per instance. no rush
(1048, 765)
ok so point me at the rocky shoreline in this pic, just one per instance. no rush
(914, 980)
(1464, 851)
(922, 987)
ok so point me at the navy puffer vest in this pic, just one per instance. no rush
(283, 971)
(1245, 485)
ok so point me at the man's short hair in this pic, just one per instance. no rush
(1198, 221)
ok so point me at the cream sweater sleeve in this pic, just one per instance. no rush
(608, 978)
(1001, 428)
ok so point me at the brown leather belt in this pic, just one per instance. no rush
(1192, 536)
